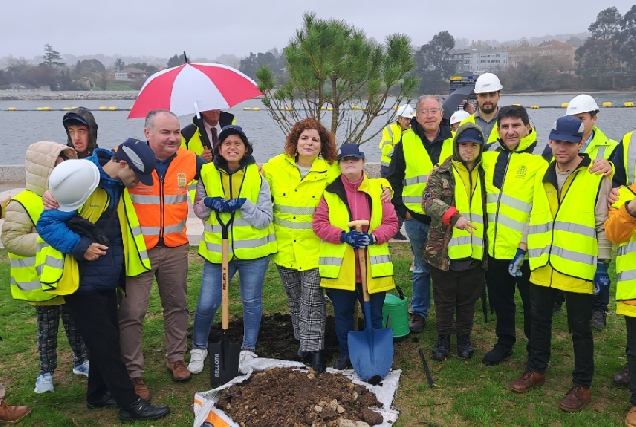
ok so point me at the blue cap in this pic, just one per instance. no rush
(567, 128)
(350, 150)
(139, 157)
(73, 119)
(471, 135)
(232, 130)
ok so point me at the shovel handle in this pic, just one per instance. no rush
(225, 279)
(362, 260)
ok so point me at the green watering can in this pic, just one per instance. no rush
(396, 312)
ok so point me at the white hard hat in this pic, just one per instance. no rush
(581, 104)
(72, 182)
(406, 111)
(458, 116)
(487, 82)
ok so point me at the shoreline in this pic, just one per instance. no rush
(112, 95)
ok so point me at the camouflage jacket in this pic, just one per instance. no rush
(438, 197)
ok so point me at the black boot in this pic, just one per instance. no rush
(465, 348)
(442, 348)
(303, 356)
(142, 410)
(318, 363)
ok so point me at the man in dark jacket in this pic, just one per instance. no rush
(203, 134)
(101, 268)
(424, 146)
(81, 130)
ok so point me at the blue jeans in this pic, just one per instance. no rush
(251, 277)
(343, 306)
(421, 301)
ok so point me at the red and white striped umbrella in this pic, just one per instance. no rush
(191, 87)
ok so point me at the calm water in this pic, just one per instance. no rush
(19, 129)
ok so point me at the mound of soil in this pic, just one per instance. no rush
(288, 397)
(276, 337)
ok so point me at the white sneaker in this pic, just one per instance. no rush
(245, 358)
(44, 383)
(197, 359)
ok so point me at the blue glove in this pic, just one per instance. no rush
(233, 204)
(353, 238)
(365, 240)
(215, 203)
(601, 278)
(514, 268)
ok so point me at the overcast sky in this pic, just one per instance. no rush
(209, 28)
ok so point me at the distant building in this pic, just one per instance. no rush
(553, 48)
(129, 74)
(479, 61)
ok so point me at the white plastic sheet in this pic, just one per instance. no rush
(204, 409)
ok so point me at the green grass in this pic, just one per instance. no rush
(466, 393)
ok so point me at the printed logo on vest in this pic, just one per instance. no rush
(521, 172)
(181, 180)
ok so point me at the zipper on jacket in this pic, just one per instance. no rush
(161, 207)
(496, 221)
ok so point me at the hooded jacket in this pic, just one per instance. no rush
(438, 201)
(19, 235)
(92, 131)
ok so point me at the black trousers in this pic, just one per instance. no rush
(96, 318)
(501, 293)
(455, 294)
(579, 311)
(630, 322)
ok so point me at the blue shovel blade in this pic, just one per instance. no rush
(371, 350)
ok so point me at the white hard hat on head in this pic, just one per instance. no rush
(581, 104)
(72, 182)
(487, 82)
(406, 111)
(458, 116)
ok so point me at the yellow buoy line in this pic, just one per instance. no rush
(627, 104)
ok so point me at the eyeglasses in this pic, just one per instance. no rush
(434, 111)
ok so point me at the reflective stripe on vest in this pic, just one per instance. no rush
(418, 167)
(25, 273)
(462, 244)
(136, 259)
(244, 241)
(391, 135)
(332, 255)
(162, 208)
(625, 256)
(568, 242)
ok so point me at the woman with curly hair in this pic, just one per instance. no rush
(297, 179)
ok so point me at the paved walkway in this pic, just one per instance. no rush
(194, 224)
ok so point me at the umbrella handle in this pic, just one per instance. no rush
(362, 260)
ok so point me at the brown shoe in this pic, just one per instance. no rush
(140, 389)
(179, 370)
(630, 419)
(417, 323)
(12, 413)
(576, 399)
(528, 380)
(622, 378)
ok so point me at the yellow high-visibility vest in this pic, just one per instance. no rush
(508, 207)
(295, 201)
(418, 166)
(562, 232)
(391, 135)
(337, 261)
(244, 240)
(462, 244)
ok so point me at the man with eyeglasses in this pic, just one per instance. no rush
(423, 147)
